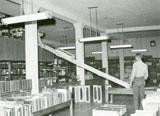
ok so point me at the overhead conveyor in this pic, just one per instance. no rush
(70, 58)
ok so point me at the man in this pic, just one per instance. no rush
(138, 76)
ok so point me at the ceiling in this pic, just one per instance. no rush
(132, 13)
(110, 12)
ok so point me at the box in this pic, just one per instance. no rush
(109, 110)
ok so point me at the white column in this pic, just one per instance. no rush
(121, 62)
(105, 65)
(105, 56)
(79, 51)
(31, 55)
(31, 48)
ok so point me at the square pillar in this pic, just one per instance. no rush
(105, 65)
(31, 55)
(79, 51)
(31, 47)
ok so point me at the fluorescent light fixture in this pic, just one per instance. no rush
(26, 18)
(91, 39)
(121, 46)
(139, 50)
(67, 48)
(96, 52)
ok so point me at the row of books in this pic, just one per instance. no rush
(151, 105)
(45, 82)
(3, 65)
(27, 105)
(18, 65)
(15, 85)
(13, 71)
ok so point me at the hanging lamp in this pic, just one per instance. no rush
(97, 38)
(138, 48)
(123, 46)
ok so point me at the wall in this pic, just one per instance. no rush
(142, 41)
(12, 49)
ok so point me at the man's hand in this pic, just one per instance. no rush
(130, 84)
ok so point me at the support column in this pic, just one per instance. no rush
(121, 62)
(79, 51)
(31, 55)
(31, 48)
(105, 55)
(105, 65)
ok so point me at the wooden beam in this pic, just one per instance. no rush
(82, 65)
(134, 29)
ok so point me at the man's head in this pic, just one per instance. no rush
(138, 56)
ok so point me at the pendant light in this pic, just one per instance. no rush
(26, 18)
(67, 47)
(138, 50)
(123, 46)
(97, 38)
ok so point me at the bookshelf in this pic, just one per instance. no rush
(55, 108)
(14, 87)
(12, 70)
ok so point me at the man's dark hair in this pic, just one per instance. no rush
(139, 55)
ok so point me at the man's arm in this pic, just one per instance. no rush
(146, 73)
(133, 74)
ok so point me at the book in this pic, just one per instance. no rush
(15, 85)
(27, 105)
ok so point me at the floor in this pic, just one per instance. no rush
(85, 109)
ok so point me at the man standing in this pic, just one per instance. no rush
(138, 76)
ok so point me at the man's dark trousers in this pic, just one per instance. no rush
(138, 92)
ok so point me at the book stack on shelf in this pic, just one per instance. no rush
(27, 105)
(45, 82)
(113, 67)
(18, 70)
(12, 70)
(4, 71)
(46, 69)
(109, 110)
(15, 85)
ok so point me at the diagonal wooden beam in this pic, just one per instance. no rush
(87, 67)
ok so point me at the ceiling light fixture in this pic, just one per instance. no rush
(96, 52)
(139, 50)
(67, 48)
(121, 46)
(26, 18)
(92, 39)
(139, 46)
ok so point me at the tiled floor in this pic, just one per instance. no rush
(85, 109)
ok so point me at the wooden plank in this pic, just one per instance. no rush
(123, 91)
(52, 109)
(80, 64)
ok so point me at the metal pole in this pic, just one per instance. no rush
(96, 22)
(90, 22)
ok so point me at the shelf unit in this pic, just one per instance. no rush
(12, 70)
(52, 109)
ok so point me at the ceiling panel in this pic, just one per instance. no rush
(130, 12)
(110, 12)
